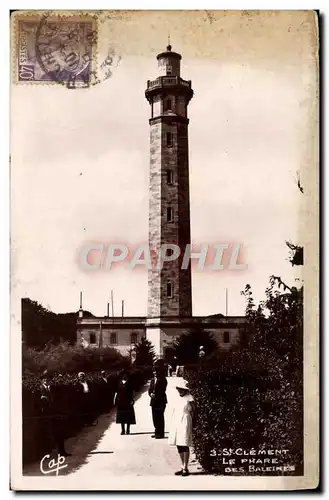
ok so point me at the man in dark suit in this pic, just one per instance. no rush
(104, 394)
(103, 378)
(157, 393)
(53, 424)
(86, 400)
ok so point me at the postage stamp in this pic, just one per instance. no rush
(55, 48)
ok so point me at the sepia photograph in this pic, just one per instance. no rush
(164, 199)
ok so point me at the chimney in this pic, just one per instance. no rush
(100, 340)
(80, 308)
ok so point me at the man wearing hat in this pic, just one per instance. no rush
(86, 403)
(103, 377)
(157, 393)
(102, 394)
(52, 422)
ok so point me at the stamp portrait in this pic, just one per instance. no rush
(55, 49)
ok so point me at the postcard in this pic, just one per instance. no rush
(164, 177)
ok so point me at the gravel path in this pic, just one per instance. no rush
(136, 454)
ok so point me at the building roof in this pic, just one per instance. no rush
(170, 322)
(169, 53)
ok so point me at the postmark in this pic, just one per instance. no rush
(64, 50)
(61, 49)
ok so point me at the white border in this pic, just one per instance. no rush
(4, 178)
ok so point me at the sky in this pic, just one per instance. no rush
(80, 158)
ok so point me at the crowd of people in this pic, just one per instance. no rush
(56, 397)
(180, 432)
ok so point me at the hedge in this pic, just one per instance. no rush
(247, 401)
(65, 358)
(69, 413)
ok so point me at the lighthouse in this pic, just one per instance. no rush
(169, 286)
(169, 306)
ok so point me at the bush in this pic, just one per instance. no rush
(68, 409)
(187, 346)
(65, 358)
(145, 353)
(244, 399)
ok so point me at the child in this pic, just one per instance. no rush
(180, 433)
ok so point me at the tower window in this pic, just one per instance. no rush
(113, 339)
(167, 105)
(169, 290)
(170, 177)
(133, 338)
(169, 139)
(226, 337)
(169, 214)
(169, 70)
(92, 338)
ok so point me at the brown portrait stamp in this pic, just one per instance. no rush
(55, 48)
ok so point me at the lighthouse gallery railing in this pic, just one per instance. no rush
(167, 81)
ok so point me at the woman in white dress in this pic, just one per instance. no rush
(180, 433)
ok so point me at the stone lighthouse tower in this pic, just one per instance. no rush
(169, 286)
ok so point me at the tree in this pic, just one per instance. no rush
(34, 318)
(41, 326)
(187, 346)
(255, 318)
(296, 257)
(277, 322)
(277, 341)
(145, 354)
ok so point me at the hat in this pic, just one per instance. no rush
(182, 384)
